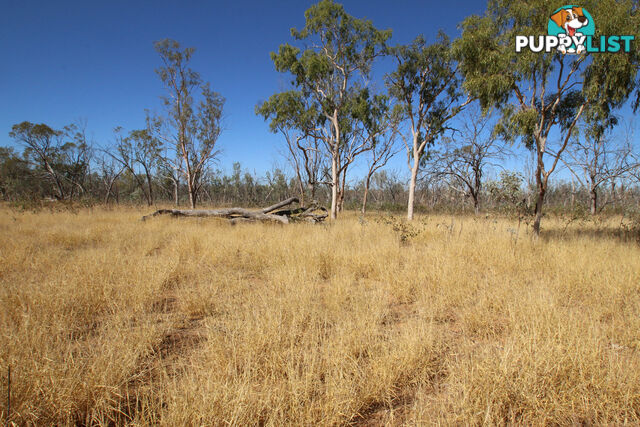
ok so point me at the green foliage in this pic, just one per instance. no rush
(507, 191)
(289, 110)
(341, 47)
(194, 114)
(516, 123)
(62, 156)
(17, 180)
(426, 87)
(349, 43)
(496, 74)
(404, 230)
(141, 146)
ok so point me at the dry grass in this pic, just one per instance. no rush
(105, 319)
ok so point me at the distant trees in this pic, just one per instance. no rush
(61, 156)
(382, 150)
(538, 92)
(16, 177)
(139, 153)
(465, 156)
(110, 170)
(333, 121)
(191, 127)
(507, 191)
(597, 158)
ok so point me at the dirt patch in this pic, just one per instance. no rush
(180, 340)
(378, 413)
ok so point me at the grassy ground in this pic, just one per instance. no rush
(193, 321)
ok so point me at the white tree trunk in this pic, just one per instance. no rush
(412, 187)
(334, 187)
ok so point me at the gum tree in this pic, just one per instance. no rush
(190, 126)
(427, 89)
(61, 156)
(330, 74)
(541, 96)
(139, 150)
(291, 116)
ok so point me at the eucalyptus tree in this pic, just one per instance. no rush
(110, 170)
(291, 115)
(331, 73)
(75, 157)
(191, 126)
(374, 125)
(378, 128)
(137, 149)
(542, 95)
(426, 86)
(61, 156)
(147, 150)
(17, 179)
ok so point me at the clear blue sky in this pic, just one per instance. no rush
(94, 60)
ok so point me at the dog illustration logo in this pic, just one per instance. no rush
(574, 23)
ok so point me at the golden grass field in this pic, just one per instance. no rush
(109, 320)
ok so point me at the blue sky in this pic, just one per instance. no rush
(94, 60)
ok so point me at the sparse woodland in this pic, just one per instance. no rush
(493, 278)
(455, 109)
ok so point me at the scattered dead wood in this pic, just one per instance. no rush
(312, 213)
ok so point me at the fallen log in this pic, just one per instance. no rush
(280, 205)
(312, 213)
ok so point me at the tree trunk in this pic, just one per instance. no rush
(298, 175)
(477, 190)
(146, 171)
(109, 188)
(301, 187)
(412, 188)
(175, 192)
(312, 191)
(541, 187)
(341, 193)
(539, 201)
(334, 187)
(59, 186)
(366, 193)
(192, 196)
(594, 200)
(313, 213)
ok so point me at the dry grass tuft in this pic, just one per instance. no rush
(108, 320)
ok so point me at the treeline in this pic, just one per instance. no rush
(100, 180)
(453, 108)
